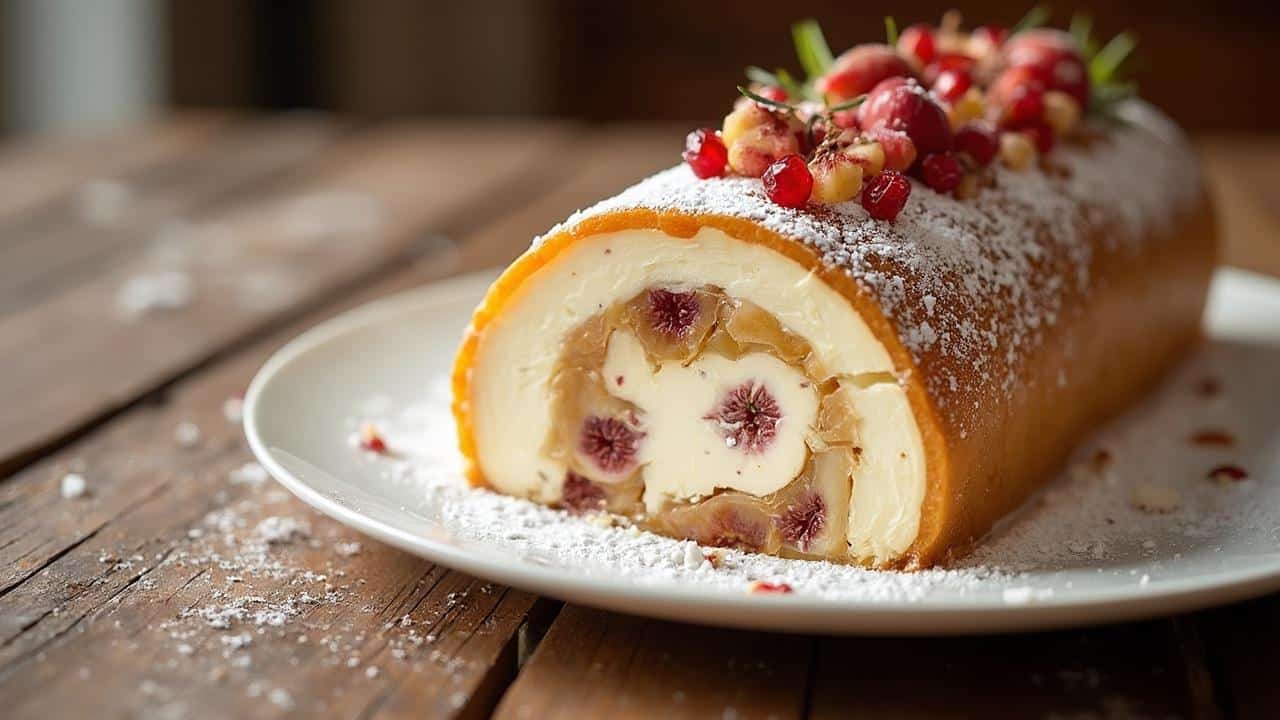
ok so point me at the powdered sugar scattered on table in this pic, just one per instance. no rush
(1084, 520)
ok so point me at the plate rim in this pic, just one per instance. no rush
(786, 613)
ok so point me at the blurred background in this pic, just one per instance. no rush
(86, 64)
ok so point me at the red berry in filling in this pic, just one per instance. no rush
(899, 151)
(609, 442)
(904, 105)
(941, 172)
(886, 194)
(748, 417)
(705, 152)
(917, 40)
(802, 522)
(978, 141)
(951, 85)
(788, 182)
(858, 70)
(672, 313)
(580, 495)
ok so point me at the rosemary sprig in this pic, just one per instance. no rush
(766, 101)
(779, 78)
(1035, 17)
(891, 31)
(1103, 65)
(848, 104)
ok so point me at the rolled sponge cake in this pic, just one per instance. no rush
(921, 378)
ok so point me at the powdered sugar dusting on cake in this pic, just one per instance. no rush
(959, 279)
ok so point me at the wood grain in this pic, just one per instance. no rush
(251, 264)
(599, 664)
(103, 222)
(1122, 671)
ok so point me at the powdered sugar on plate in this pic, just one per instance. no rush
(1085, 520)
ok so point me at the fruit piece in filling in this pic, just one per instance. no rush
(682, 383)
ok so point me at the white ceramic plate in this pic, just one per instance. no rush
(299, 413)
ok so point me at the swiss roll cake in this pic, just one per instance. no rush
(803, 342)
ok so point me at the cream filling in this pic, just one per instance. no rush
(514, 360)
(684, 454)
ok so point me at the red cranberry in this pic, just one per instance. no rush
(788, 182)
(1020, 96)
(899, 151)
(941, 172)
(859, 69)
(993, 34)
(951, 85)
(1055, 59)
(978, 141)
(1041, 135)
(948, 61)
(897, 104)
(917, 40)
(705, 152)
(886, 194)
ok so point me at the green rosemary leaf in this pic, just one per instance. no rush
(1103, 66)
(848, 104)
(1035, 17)
(764, 100)
(811, 48)
(891, 31)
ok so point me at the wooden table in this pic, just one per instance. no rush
(110, 603)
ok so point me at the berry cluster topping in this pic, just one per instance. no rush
(938, 104)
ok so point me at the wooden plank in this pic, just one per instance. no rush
(365, 205)
(86, 231)
(37, 170)
(1241, 650)
(93, 591)
(598, 664)
(1123, 671)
